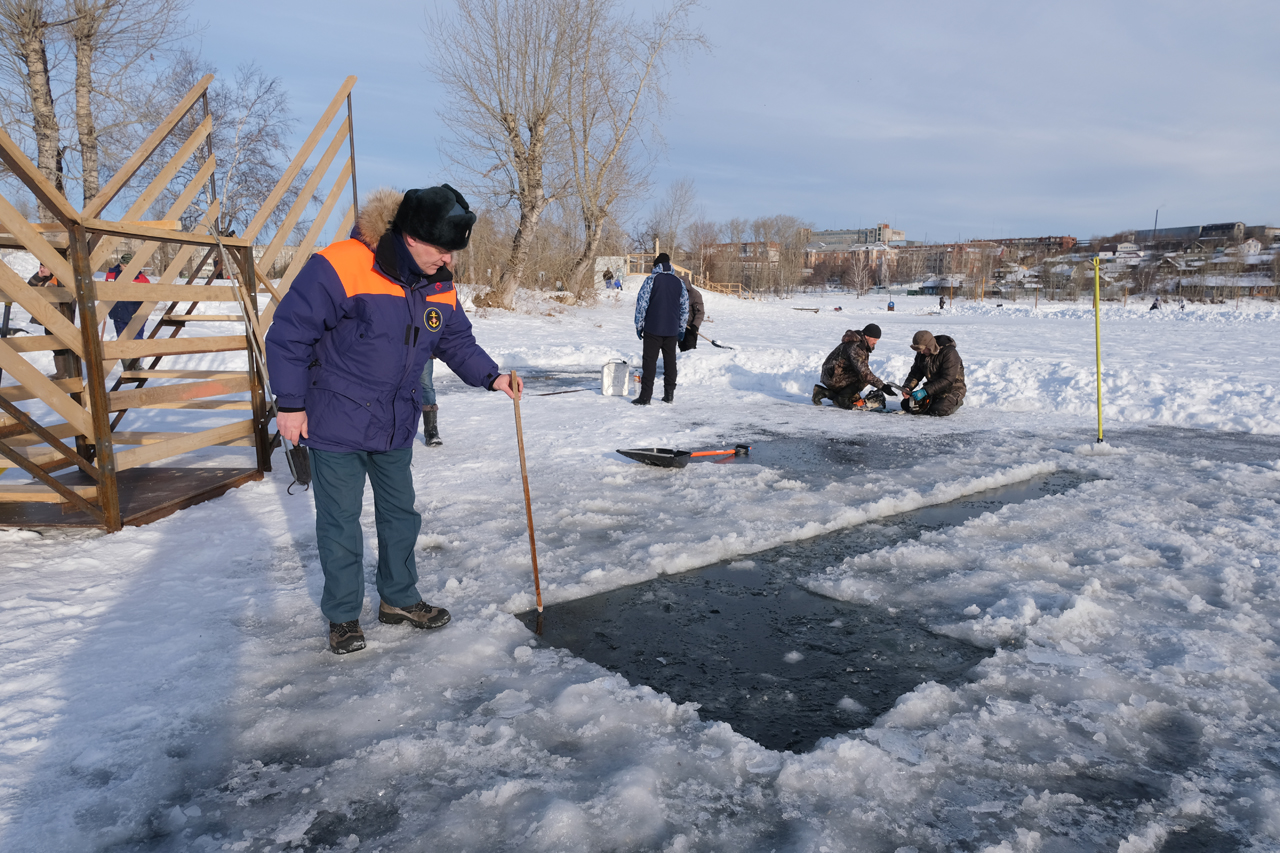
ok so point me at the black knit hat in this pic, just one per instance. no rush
(436, 215)
(871, 330)
(663, 259)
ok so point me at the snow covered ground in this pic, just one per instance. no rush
(169, 687)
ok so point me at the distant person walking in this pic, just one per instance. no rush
(942, 303)
(696, 313)
(662, 314)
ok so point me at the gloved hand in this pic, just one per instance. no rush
(888, 391)
(639, 335)
(919, 394)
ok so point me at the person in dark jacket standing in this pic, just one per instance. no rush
(696, 313)
(122, 312)
(65, 361)
(938, 365)
(346, 352)
(846, 371)
(662, 313)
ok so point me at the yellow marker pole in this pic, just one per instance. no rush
(1097, 333)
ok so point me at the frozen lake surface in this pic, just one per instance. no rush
(169, 688)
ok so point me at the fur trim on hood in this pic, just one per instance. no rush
(376, 215)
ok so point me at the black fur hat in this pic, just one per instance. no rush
(436, 215)
(871, 330)
(663, 260)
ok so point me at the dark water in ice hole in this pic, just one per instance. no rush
(721, 636)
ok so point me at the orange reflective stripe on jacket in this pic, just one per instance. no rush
(353, 262)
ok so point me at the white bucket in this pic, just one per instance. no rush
(615, 379)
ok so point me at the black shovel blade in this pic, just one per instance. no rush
(663, 457)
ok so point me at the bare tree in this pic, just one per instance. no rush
(702, 236)
(26, 27)
(612, 98)
(675, 209)
(112, 41)
(505, 73)
(252, 123)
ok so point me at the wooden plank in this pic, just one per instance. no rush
(57, 430)
(304, 198)
(67, 455)
(51, 395)
(18, 393)
(176, 446)
(134, 291)
(141, 398)
(59, 228)
(167, 278)
(142, 255)
(41, 309)
(103, 246)
(181, 374)
(30, 175)
(127, 229)
(36, 493)
(212, 405)
(304, 250)
(34, 242)
(40, 454)
(172, 346)
(122, 176)
(203, 318)
(139, 438)
(35, 343)
(282, 185)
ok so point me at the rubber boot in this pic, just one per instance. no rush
(430, 434)
(819, 394)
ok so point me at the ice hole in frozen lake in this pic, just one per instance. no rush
(782, 665)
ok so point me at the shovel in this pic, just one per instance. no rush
(713, 341)
(665, 457)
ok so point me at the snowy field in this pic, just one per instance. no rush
(169, 688)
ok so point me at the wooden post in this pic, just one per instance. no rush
(261, 406)
(351, 142)
(95, 380)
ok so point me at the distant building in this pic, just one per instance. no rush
(1049, 244)
(882, 233)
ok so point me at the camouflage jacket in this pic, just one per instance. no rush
(847, 364)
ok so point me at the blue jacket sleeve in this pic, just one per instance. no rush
(642, 305)
(311, 307)
(458, 348)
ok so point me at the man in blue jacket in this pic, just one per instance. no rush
(345, 352)
(662, 312)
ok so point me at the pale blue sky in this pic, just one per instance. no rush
(947, 119)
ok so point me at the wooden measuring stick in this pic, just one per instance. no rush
(528, 506)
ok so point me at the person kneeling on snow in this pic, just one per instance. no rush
(938, 365)
(846, 372)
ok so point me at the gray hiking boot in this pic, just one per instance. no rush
(346, 637)
(420, 615)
